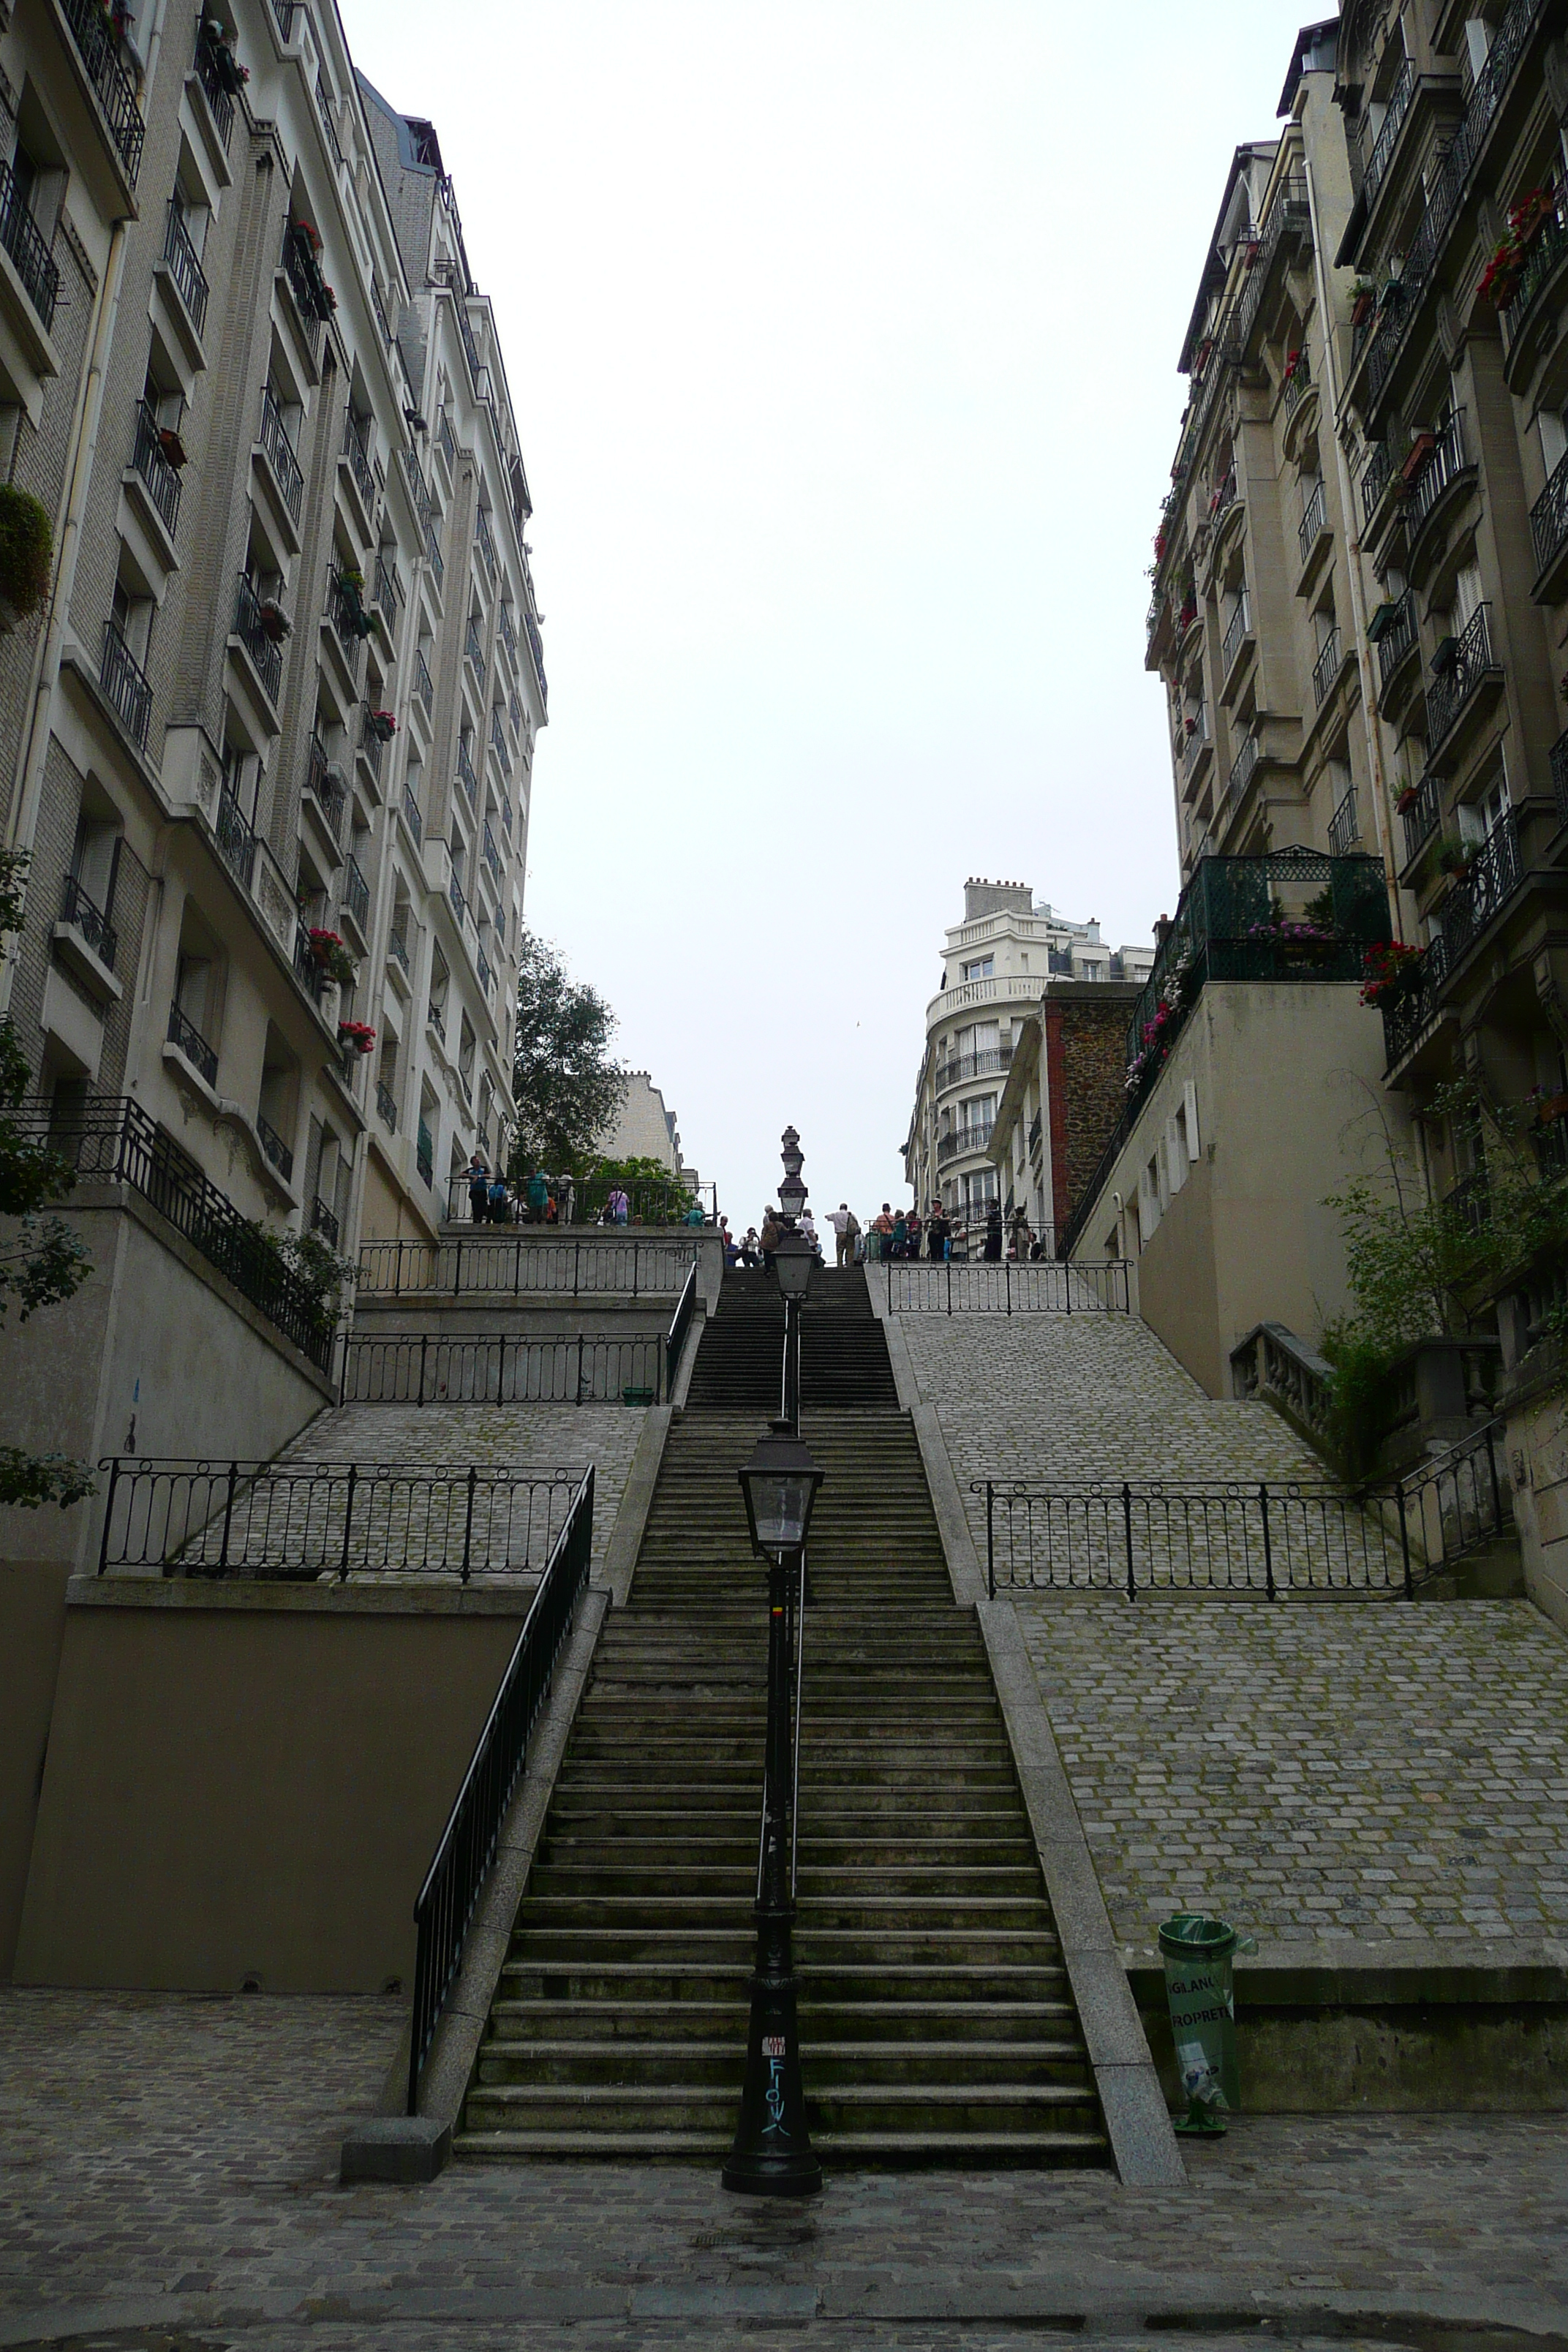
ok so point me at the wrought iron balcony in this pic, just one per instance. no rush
(1242, 767)
(423, 686)
(90, 919)
(1548, 248)
(1471, 1201)
(358, 456)
(371, 748)
(498, 741)
(161, 479)
(1422, 818)
(486, 540)
(487, 976)
(277, 1150)
(346, 613)
(1549, 518)
(1442, 463)
(958, 1067)
(1297, 380)
(1314, 521)
(433, 549)
(235, 841)
(1326, 668)
(185, 1034)
(1197, 732)
(304, 284)
(466, 775)
(184, 264)
(508, 633)
(963, 1139)
(473, 648)
(356, 896)
(386, 1104)
(411, 814)
(536, 648)
(491, 854)
(264, 650)
(1236, 628)
(126, 686)
(323, 1221)
(20, 236)
(211, 69)
(424, 1154)
(437, 1019)
(97, 38)
(307, 972)
(1494, 874)
(1387, 139)
(459, 905)
(446, 440)
(1396, 638)
(280, 452)
(388, 587)
(1375, 479)
(1465, 661)
(1344, 826)
(329, 792)
(396, 945)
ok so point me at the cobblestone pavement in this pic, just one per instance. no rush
(1316, 1772)
(492, 1436)
(166, 2179)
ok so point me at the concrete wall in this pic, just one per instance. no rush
(1285, 1086)
(1537, 1447)
(249, 1781)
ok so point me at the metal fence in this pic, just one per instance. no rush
(1040, 1286)
(456, 1877)
(280, 1522)
(1260, 1540)
(433, 1367)
(510, 1265)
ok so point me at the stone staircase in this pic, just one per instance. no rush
(936, 2022)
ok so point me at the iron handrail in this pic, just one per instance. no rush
(465, 1850)
(522, 1262)
(679, 1325)
(1009, 1286)
(500, 1368)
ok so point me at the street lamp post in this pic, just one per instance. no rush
(792, 1263)
(773, 2156)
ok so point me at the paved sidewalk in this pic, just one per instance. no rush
(167, 2180)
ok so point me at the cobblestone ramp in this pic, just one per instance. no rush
(936, 2022)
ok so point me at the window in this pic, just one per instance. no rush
(981, 968)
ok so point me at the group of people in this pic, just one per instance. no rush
(756, 1250)
(542, 1199)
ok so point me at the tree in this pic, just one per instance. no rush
(42, 1261)
(566, 1087)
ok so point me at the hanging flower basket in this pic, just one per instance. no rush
(334, 958)
(358, 1035)
(1390, 971)
(1502, 277)
(381, 724)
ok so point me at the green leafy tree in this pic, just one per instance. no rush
(42, 1261)
(566, 1087)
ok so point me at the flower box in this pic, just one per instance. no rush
(332, 954)
(381, 724)
(357, 1034)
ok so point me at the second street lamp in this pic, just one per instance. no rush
(793, 1263)
(773, 2156)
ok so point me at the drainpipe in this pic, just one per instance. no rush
(1358, 605)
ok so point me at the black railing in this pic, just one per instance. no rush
(1326, 668)
(386, 1104)
(1559, 758)
(90, 920)
(1410, 1013)
(20, 235)
(508, 633)
(975, 1137)
(1388, 135)
(456, 897)
(509, 1264)
(679, 1325)
(235, 841)
(1344, 826)
(1009, 1286)
(309, 968)
(356, 896)
(184, 1034)
(304, 286)
(1549, 517)
(474, 649)
(1422, 818)
(396, 944)
(1397, 639)
(265, 651)
(280, 452)
(1494, 873)
(466, 775)
(323, 1222)
(297, 1521)
(114, 1141)
(487, 542)
(98, 40)
(536, 647)
(491, 854)
(1237, 627)
(425, 1160)
(1443, 462)
(587, 1200)
(210, 72)
(346, 613)
(1375, 479)
(125, 682)
(277, 1150)
(1243, 767)
(1297, 380)
(455, 1878)
(358, 456)
(1548, 248)
(184, 264)
(388, 587)
(421, 683)
(498, 741)
(1313, 522)
(1465, 661)
(328, 791)
(482, 966)
(435, 1368)
(163, 481)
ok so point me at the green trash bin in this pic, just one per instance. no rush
(1201, 1988)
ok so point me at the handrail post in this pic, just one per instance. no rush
(1007, 1282)
(227, 1513)
(576, 1267)
(108, 1513)
(398, 1248)
(1497, 1491)
(947, 1263)
(889, 1264)
(990, 1541)
(517, 1266)
(1267, 1543)
(469, 1521)
(348, 1522)
(424, 1345)
(1405, 1543)
(578, 1399)
(1126, 1532)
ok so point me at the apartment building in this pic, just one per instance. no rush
(269, 745)
(998, 968)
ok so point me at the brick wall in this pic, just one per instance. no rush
(1086, 1044)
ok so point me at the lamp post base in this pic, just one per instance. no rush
(772, 2155)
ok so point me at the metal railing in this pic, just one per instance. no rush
(424, 1157)
(1197, 735)
(585, 1201)
(302, 285)
(514, 1266)
(277, 1150)
(497, 740)
(279, 451)
(490, 852)
(1468, 661)
(1443, 462)
(323, 1221)
(370, 747)
(1422, 818)
(1009, 1286)
(184, 1034)
(1297, 380)
(456, 1875)
(456, 897)
(1387, 139)
(356, 895)
(386, 1105)
(482, 966)
(396, 945)
(163, 481)
(963, 1138)
(680, 1324)
(1242, 768)
(301, 1521)
(184, 264)
(209, 73)
(114, 1140)
(1547, 250)
(446, 441)
(423, 686)
(959, 1066)
(328, 791)
(485, 538)
(1494, 874)
(20, 235)
(344, 611)
(1344, 826)
(358, 456)
(1236, 628)
(1326, 668)
(437, 1368)
(473, 648)
(236, 840)
(125, 682)
(411, 816)
(309, 968)
(1558, 756)
(1549, 517)
(1375, 479)
(1407, 1016)
(508, 633)
(536, 647)
(90, 920)
(1309, 1539)
(1397, 639)
(466, 775)
(98, 40)
(265, 652)
(388, 586)
(1314, 520)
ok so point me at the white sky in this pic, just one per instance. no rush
(842, 341)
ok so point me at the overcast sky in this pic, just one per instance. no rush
(842, 340)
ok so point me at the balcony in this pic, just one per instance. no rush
(323, 1221)
(1443, 464)
(1494, 874)
(235, 841)
(214, 66)
(446, 440)
(1396, 638)
(491, 854)
(326, 790)
(1298, 381)
(1237, 629)
(252, 629)
(485, 541)
(356, 897)
(423, 686)
(97, 38)
(411, 816)
(455, 900)
(498, 741)
(304, 283)
(388, 590)
(1326, 668)
(278, 1152)
(536, 648)
(1344, 826)
(358, 456)
(1197, 730)
(1408, 1017)
(1314, 522)
(185, 267)
(126, 686)
(474, 649)
(466, 775)
(435, 1019)
(959, 1068)
(347, 616)
(508, 633)
(1375, 479)
(279, 451)
(487, 977)
(1548, 249)
(433, 549)
(161, 478)
(1387, 139)
(372, 749)
(398, 946)
(1548, 525)
(1421, 819)
(1461, 665)
(187, 1039)
(962, 1141)
(424, 1154)
(386, 1105)
(307, 972)
(19, 236)
(78, 909)
(1242, 767)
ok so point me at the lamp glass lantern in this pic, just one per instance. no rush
(780, 1483)
(792, 1197)
(792, 1262)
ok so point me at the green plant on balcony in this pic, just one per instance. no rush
(351, 588)
(321, 1274)
(1390, 969)
(382, 724)
(332, 957)
(27, 550)
(1526, 219)
(1455, 856)
(356, 1034)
